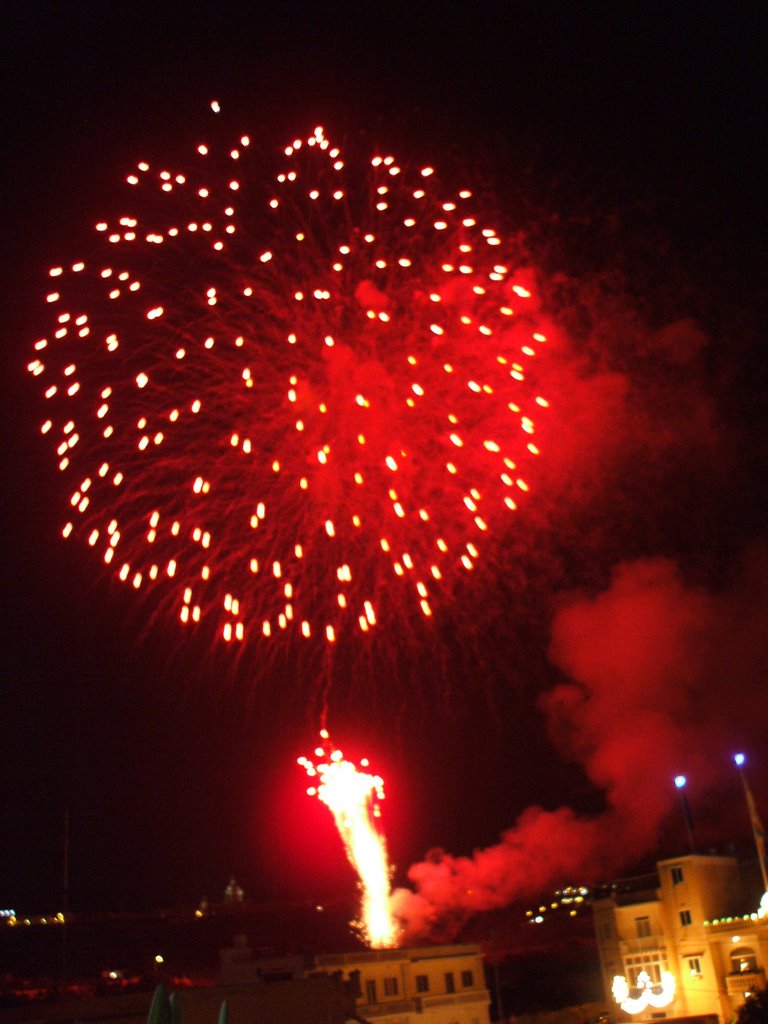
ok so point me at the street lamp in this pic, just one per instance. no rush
(680, 784)
(758, 831)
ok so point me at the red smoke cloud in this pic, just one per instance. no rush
(659, 674)
(647, 661)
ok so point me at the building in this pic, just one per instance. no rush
(420, 985)
(679, 943)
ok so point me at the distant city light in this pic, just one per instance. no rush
(8, 916)
(680, 781)
(739, 759)
(568, 895)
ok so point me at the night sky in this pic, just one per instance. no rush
(619, 634)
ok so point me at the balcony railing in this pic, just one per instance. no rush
(645, 944)
(452, 998)
(736, 924)
(419, 1004)
(738, 984)
(381, 1009)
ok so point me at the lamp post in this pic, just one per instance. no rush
(680, 784)
(758, 830)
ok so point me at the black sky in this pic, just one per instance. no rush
(178, 771)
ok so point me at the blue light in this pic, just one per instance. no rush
(680, 781)
(739, 759)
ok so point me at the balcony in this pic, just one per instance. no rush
(735, 924)
(376, 1010)
(452, 999)
(420, 1004)
(646, 944)
(744, 981)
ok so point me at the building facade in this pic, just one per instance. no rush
(676, 946)
(420, 985)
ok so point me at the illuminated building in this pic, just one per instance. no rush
(416, 985)
(672, 945)
(435, 984)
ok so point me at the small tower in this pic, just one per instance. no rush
(233, 892)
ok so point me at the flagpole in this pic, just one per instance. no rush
(758, 831)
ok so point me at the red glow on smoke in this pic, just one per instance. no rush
(646, 659)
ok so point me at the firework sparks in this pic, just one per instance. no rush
(353, 797)
(295, 403)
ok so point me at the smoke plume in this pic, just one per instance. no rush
(643, 699)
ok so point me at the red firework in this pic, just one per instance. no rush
(291, 403)
(353, 797)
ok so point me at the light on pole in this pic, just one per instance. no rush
(758, 831)
(680, 784)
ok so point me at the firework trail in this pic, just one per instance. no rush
(353, 797)
(294, 404)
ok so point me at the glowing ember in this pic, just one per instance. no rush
(291, 400)
(353, 798)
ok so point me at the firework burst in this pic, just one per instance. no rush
(354, 798)
(292, 402)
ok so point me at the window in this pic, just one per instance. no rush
(370, 991)
(643, 926)
(390, 987)
(467, 979)
(422, 983)
(652, 970)
(694, 966)
(743, 960)
(685, 917)
(677, 875)
(653, 963)
(450, 984)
